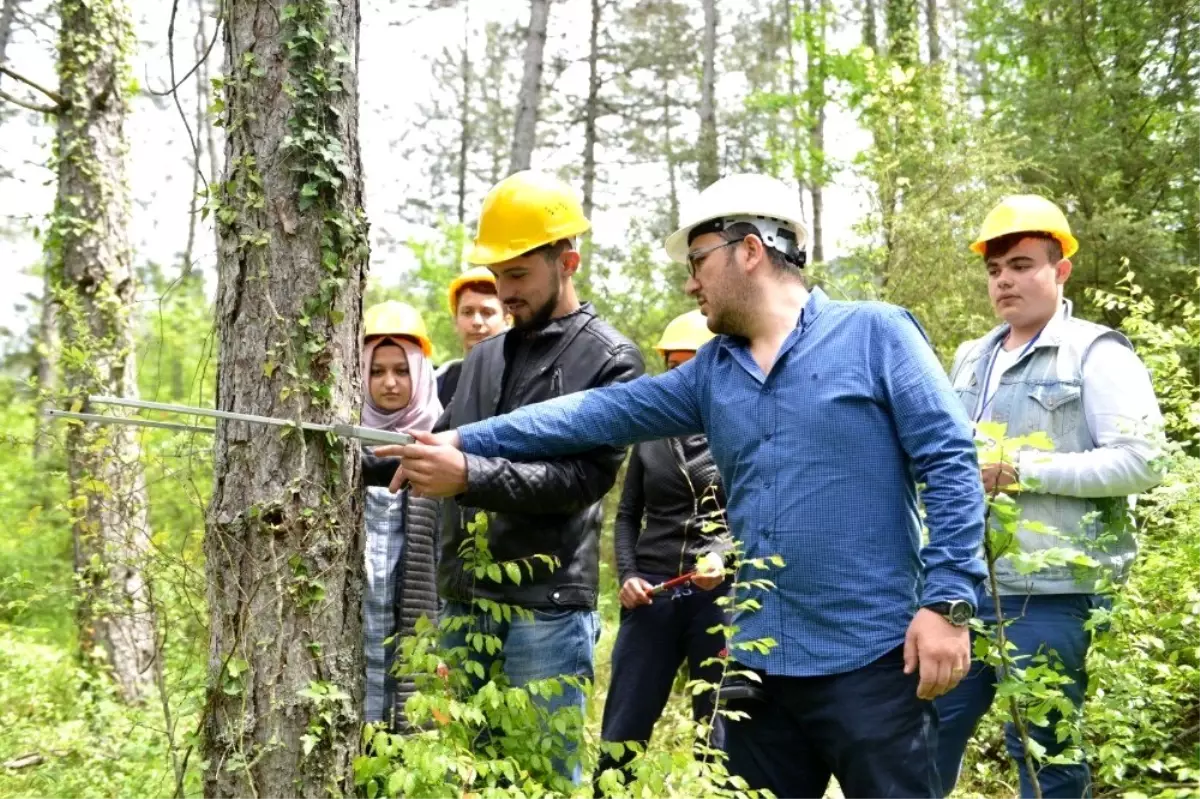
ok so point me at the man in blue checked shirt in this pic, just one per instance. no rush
(822, 417)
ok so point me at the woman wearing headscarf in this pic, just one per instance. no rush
(400, 394)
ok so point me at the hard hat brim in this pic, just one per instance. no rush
(485, 255)
(1070, 244)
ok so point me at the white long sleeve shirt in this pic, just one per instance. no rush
(1123, 417)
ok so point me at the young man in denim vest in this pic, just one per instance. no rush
(1082, 384)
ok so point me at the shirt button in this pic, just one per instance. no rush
(767, 437)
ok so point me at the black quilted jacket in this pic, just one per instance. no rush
(418, 588)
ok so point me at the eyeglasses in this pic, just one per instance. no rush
(696, 260)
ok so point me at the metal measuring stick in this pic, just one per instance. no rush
(341, 430)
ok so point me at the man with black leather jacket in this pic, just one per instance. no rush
(544, 515)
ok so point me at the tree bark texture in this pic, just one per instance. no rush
(283, 543)
(91, 264)
(932, 32)
(464, 115)
(708, 164)
(525, 129)
(815, 47)
(591, 113)
(870, 25)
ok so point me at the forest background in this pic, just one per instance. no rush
(899, 122)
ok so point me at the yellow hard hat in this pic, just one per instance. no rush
(394, 318)
(1026, 213)
(521, 213)
(476, 274)
(687, 331)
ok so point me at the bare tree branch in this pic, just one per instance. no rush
(170, 47)
(175, 86)
(44, 109)
(53, 95)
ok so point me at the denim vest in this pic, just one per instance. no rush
(1043, 391)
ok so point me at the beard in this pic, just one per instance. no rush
(733, 317)
(538, 317)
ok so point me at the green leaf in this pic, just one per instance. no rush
(513, 571)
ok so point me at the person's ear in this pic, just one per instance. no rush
(1062, 271)
(569, 261)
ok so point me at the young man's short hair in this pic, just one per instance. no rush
(999, 246)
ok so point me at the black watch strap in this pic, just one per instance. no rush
(958, 612)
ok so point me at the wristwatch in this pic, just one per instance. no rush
(958, 612)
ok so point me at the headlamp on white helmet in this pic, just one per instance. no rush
(775, 234)
(771, 206)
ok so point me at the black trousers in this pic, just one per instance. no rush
(866, 727)
(652, 642)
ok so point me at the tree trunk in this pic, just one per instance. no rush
(91, 262)
(199, 45)
(525, 130)
(815, 47)
(204, 80)
(590, 114)
(794, 95)
(669, 153)
(901, 17)
(283, 544)
(708, 165)
(464, 116)
(870, 26)
(931, 20)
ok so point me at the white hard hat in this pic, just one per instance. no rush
(765, 202)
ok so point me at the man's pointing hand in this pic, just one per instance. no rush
(432, 465)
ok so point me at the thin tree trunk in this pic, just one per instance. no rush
(199, 45)
(464, 115)
(283, 545)
(958, 52)
(203, 80)
(794, 95)
(901, 18)
(92, 261)
(708, 164)
(816, 67)
(931, 30)
(525, 130)
(590, 114)
(669, 152)
(870, 25)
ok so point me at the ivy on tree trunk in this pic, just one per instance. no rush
(284, 542)
(91, 269)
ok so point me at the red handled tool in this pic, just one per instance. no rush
(674, 582)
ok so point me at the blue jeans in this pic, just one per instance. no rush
(554, 643)
(1039, 622)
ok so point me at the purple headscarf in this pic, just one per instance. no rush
(423, 407)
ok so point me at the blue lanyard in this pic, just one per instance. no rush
(987, 376)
